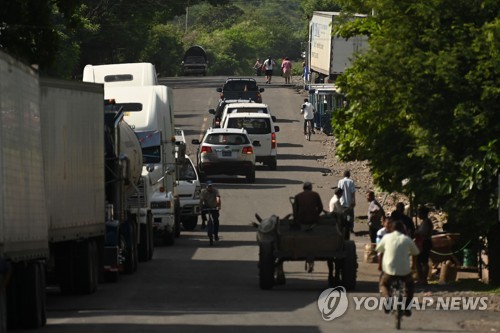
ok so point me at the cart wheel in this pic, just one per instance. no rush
(350, 266)
(266, 265)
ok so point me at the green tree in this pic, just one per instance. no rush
(424, 105)
(164, 49)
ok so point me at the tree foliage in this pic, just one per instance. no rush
(424, 103)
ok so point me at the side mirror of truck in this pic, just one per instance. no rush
(195, 142)
(273, 118)
(150, 167)
(261, 90)
(211, 111)
(219, 89)
(170, 170)
(276, 128)
(256, 143)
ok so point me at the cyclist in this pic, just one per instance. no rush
(210, 198)
(396, 248)
(308, 110)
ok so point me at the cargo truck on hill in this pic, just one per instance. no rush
(61, 210)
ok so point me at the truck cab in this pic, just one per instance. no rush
(121, 75)
(148, 110)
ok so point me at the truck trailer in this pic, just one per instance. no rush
(53, 169)
(329, 54)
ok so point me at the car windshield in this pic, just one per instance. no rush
(252, 110)
(252, 125)
(240, 86)
(227, 139)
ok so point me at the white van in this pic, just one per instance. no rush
(121, 75)
(260, 127)
(248, 107)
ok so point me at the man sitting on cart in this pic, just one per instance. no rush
(307, 206)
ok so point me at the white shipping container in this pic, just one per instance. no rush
(23, 214)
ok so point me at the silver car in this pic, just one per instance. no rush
(226, 151)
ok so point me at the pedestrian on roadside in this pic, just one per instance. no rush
(258, 67)
(375, 214)
(269, 64)
(286, 70)
(399, 214)
(348, 199)
(423, 239)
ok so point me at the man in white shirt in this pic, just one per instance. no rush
(269, 64)
(397, 248)
(348, 200)
(308, 110)
(335, 205)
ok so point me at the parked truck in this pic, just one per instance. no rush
(149, 110)
(329, 54)
(195, 61)
(56, 191)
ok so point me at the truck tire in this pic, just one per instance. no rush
(151, 236)
(130, 244)
(177, 218)
(266, 265)
(86, 267)
(144, 246)
(350, 266)
(64, 254)
(31, 292)
(189, 222)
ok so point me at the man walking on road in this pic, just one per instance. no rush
(348, 199)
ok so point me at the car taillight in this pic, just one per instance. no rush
(247, 150)
(206, 149)
(273, 140)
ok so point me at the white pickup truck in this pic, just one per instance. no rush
(188, 185)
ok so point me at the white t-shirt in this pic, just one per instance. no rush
(397, 249)
(268, 65)
(347, 185)
(335, 205)
(307, 110)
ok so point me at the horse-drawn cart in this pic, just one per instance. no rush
(283, 240)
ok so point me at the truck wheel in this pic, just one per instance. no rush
(190, 222)
(266, 265)
(251, 177)
(64, 253)
(86, 268)
(177, 219)
(130, 245)
(32, 294)
(151, 236)
(143, 248)
(274, 163)
(350, 266)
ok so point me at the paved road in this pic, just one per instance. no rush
(192, 287)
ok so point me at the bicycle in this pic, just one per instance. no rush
(210, 223)
(309, 129)
(398, 292)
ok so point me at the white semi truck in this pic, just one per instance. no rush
(329, 54)
(56, 190)
(148, 109)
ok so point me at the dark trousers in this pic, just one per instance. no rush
(385, 286)
(215, 219)
(305, 125)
